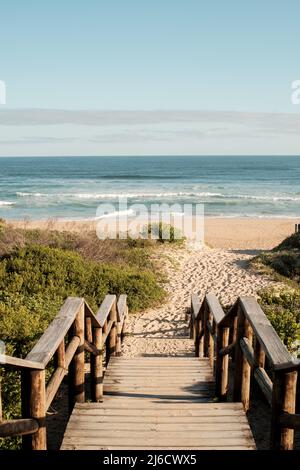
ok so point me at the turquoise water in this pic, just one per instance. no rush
(73, 187)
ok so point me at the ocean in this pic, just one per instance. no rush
(73, 187)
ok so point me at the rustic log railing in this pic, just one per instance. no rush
(75, 331)
(246, 335)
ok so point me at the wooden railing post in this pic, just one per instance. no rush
(205, 332)
(238, 361)
(222, 363)
(76, 369)
(283, 401)
(196, 336)
(60, 355)
(112, 340)
(97, 367)
(211, 343)
(88, 329)
(260, 356)
(79, 376)
(119, 334)
(125, 324)
(38, 408)
(192, 329)
(107, 350)
(34, 406)
(246, 370)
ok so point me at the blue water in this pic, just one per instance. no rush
(73, 187)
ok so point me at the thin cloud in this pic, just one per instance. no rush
(271, 122)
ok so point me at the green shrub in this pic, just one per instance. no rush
(164, 233)
(34, 282)
(290, 243)
(283, 259)
(55, 273)
(282, 307)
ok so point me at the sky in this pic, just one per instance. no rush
(153, 77)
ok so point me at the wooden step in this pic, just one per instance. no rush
(158, 403)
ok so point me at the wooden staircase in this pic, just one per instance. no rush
(158, 403)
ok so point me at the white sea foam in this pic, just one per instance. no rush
(115, 214)
(146, 195)
(6, 203)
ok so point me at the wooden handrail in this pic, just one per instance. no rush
(45, 348)
(215, 308)
(18, 427)
(105, 309)
(20, 364)
(73, 331)
(268, 338)
(247, 335)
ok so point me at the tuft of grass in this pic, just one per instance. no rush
(163, 233)
(290, 243)
(283, 260)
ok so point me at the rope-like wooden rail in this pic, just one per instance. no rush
(75, 331)
(246, 335)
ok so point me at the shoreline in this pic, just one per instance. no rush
(219, 232)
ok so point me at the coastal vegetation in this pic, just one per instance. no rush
(282, 303)
(40, 268)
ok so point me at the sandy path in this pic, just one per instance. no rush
(163, 330)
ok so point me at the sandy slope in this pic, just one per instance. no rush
(163, 330)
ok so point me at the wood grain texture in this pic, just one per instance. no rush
(158, 403)
(105, 308)
(267, 336)
(45, 348)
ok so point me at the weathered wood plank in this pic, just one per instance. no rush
(164, 381)
(170, 426)
(122, 307)
(45, 348)
(264, 382)
(195, 305)
(17, 363)
(119, 404)
(291, 421)
(129, 420)
(215, 307)
(269, 339)
(105, 309)
(18, 427)
(90, 314)
(145, 447)
(54, 384)
(168, 441)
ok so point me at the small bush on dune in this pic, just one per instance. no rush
(283, 259)
(290, 243)
(163, 233)
(282, 307)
